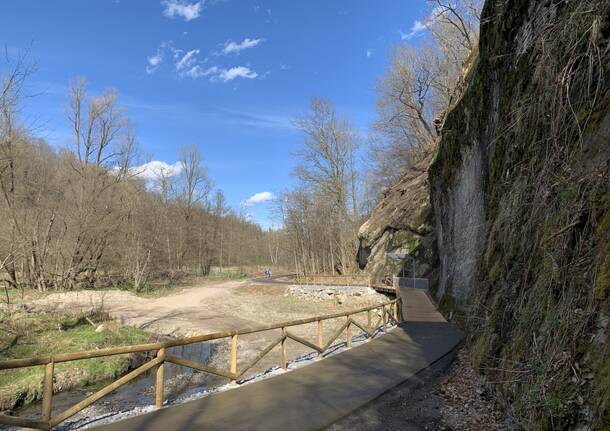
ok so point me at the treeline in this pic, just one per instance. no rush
(80, 216)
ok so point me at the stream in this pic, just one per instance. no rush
(180, 382)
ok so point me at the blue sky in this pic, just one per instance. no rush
(227, 75)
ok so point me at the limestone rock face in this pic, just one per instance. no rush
(401, 223)
(519, 190)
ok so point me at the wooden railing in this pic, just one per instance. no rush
(386, 312)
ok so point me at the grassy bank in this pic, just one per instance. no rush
(25, 335)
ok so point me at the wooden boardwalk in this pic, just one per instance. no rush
(319, 394)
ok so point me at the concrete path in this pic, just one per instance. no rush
(317, 395)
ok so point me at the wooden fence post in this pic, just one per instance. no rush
(47, 391)
(320, 337)
(160, 384)
(395, 307)
(348, 332)
(233, 366)
(283, 362)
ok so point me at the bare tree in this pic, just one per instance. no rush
(195, 189)
(419, 87)
(103, 146)
(327, 171)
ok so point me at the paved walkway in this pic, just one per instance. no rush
(317, 395)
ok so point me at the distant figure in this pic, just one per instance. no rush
(269, 271)
(438, 125)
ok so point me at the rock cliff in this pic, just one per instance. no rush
(401, 223)
(520, 198)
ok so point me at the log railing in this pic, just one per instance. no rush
(385, 313)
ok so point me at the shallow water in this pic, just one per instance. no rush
(180, 382)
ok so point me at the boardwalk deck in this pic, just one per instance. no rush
(317, 395)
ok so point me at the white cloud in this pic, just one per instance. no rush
(284, 66)
(217, 74)
(237, 72)
(369, 52)
(188, 65)
(154, 61)
(188, 60)
(182, 9)
(231, 47)
(420, 26)
(152, 170)
(416, 28)
(258, 198)
(194, 72)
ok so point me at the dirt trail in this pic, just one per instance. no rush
(208, 308)
(191, 311)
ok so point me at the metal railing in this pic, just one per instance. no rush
(410, 282)
(386, 312)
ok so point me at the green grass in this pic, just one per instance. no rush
(26, 335)
(152, 290)
(227, 275)
(18, 296)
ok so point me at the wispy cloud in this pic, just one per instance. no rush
(259, 119)
(153, 62)
(188, 60)
(182, 9)
(231, 47)
(369, 52)
(218, 74)
(155, 169)
(187, 64)
(419, 26)
(416, 29)
(226, 75)
(258, 198)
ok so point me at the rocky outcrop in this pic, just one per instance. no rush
(401, 223)
(520, 193)
(521, 197)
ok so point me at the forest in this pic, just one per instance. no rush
(82, 216)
